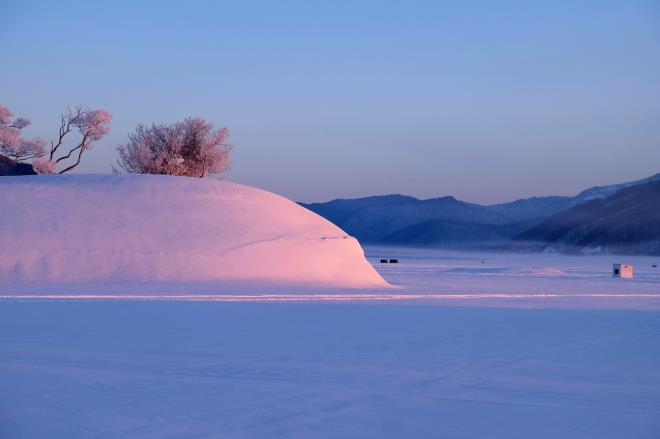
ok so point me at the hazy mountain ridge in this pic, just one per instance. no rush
(530, 208)
(376, 223)
(451, 234)
(448, 222)
(628, 221)
(606, 191)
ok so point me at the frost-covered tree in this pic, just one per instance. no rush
(91, 125)
(12, 143)
(190, 148)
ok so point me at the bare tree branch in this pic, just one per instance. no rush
(65, 128)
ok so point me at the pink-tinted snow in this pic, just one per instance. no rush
(99, 230)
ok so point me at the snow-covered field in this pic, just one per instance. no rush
(428, 276)
(521, 280)
(153, 307)
(533, 346)
(129, 369)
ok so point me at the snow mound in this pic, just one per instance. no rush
(114, 229)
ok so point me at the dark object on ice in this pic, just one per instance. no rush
(383, 261)
(654, 266)
(10, 167)
(394, 261)
(482, 262)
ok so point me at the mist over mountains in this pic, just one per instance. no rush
(621, 218)
(628, 221)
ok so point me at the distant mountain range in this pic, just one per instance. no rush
(628, 221)
(525, 224)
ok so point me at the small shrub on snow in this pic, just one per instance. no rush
(189, 148)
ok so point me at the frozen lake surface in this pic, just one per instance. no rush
(540, 346)
(521, 280)
(429, 276)
(122, 369)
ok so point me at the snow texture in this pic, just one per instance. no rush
(520, 279)
(81, 369)
(391, 363)
(454, 278)
(108, 231)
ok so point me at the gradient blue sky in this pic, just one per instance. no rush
(487, 101)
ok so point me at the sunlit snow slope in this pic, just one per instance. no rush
(100, 229)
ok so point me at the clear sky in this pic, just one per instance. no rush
(487, 101)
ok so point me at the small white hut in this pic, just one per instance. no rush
(623, 270)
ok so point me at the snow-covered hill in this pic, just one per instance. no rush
(134, 229)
